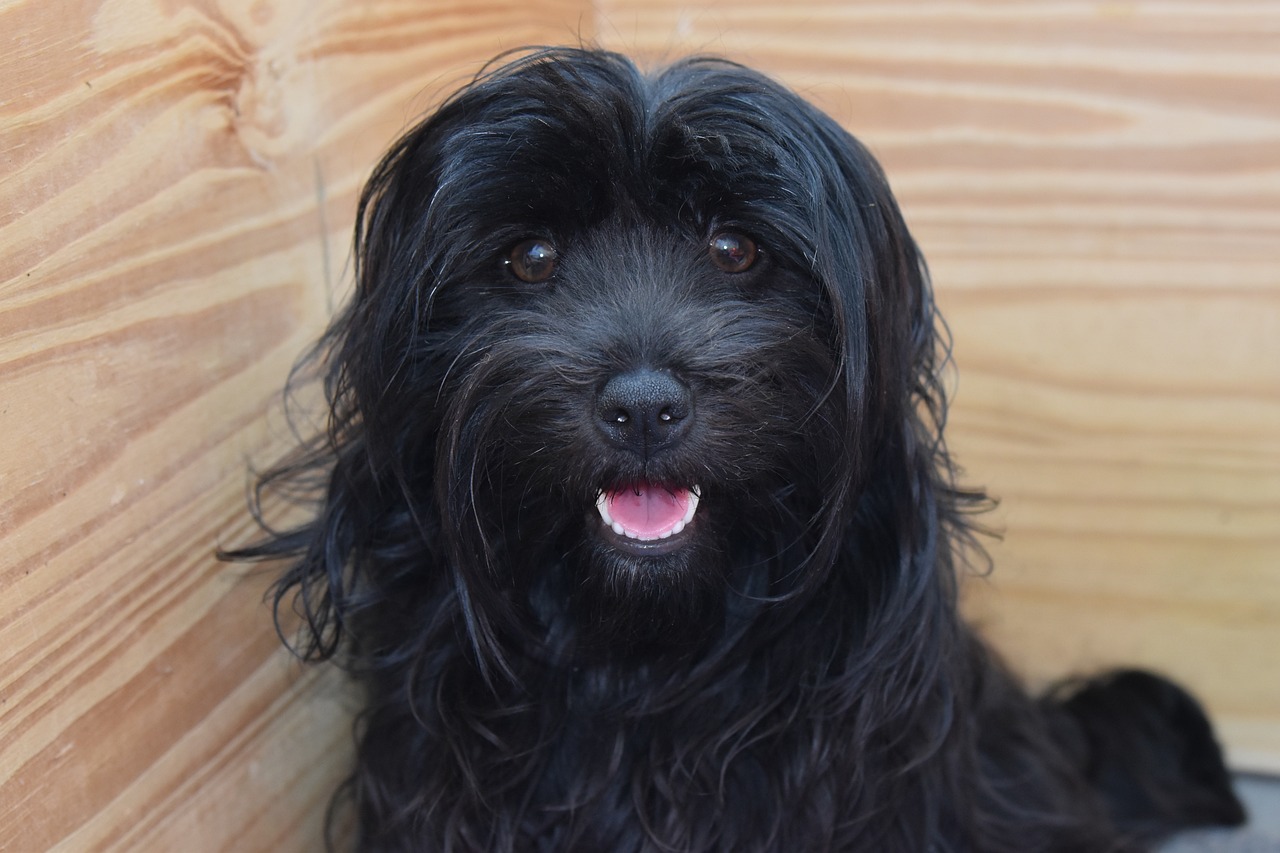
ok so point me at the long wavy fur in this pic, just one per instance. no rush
(795, 677)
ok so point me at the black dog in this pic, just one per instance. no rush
(634, 516)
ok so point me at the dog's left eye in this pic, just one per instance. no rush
(732, 252)
(532, 261)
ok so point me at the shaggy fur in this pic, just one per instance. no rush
(789, 672)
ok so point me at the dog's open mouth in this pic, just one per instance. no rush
(647, 518)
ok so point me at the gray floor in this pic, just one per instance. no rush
(1261, 795)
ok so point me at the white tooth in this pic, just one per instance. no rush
(602, 504)
(693, 505)
(618, 529)
(679, 526)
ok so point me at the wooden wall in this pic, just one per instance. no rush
(1096, 185)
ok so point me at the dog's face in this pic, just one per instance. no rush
(638, 399)
(634, 341)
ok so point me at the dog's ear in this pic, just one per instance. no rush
(877, 282)
(889, 338)
(355, 478)
(893, 351)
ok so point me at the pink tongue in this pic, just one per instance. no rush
(648, 510)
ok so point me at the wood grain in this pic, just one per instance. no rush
(176, 198)
(1097, 186)
(1097, 189)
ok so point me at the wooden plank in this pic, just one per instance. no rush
(177, 183)
(1097, 189)
(1096, 186)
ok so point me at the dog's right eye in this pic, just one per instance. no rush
(732, 252)
(532, 261)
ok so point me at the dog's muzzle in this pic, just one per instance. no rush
(645, 412)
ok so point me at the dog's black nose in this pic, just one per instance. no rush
(644, 411)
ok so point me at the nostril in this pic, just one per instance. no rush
(643, 410)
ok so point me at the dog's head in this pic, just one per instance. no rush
(642, 354)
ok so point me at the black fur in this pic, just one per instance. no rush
(794, 677)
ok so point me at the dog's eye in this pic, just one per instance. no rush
(732, 252)
(532, 261)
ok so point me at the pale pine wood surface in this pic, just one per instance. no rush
(1097, 187)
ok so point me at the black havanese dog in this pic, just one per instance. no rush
(634, 518)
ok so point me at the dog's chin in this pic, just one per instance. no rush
(670, 546)
(662, 595)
